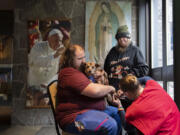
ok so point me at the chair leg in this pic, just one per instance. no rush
(57, 129)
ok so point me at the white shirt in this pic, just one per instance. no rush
(43, 67)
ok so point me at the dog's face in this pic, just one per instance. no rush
(101, 76)
(99, 72)
(95, 70)
(90, 68)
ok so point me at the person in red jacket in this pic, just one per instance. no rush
(153, 112)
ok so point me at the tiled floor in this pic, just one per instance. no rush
(19, 130)
(7, 129)
(28, 130)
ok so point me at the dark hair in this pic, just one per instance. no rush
(67, 57)
(129, 83)
(65, 24)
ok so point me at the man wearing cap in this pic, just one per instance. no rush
(124, 58)
(44, 60)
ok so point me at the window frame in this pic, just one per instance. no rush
(164, 73)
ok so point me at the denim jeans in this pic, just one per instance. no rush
(94, 122)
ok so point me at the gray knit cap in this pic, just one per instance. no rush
(123, 32)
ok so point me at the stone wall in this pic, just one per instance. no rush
(42, 9)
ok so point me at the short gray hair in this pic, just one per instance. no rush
(55, 31)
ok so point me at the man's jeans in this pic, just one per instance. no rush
(95, 122)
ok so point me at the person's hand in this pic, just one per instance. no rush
(65, 32)
(112, 89)
(120, 94)
(59, 51)
(116, 101)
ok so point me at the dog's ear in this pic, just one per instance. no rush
(97, 65)
(85, 63)
(91, 63)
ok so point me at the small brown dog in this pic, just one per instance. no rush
(101, 76)
(97, 75)
(90, 68)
